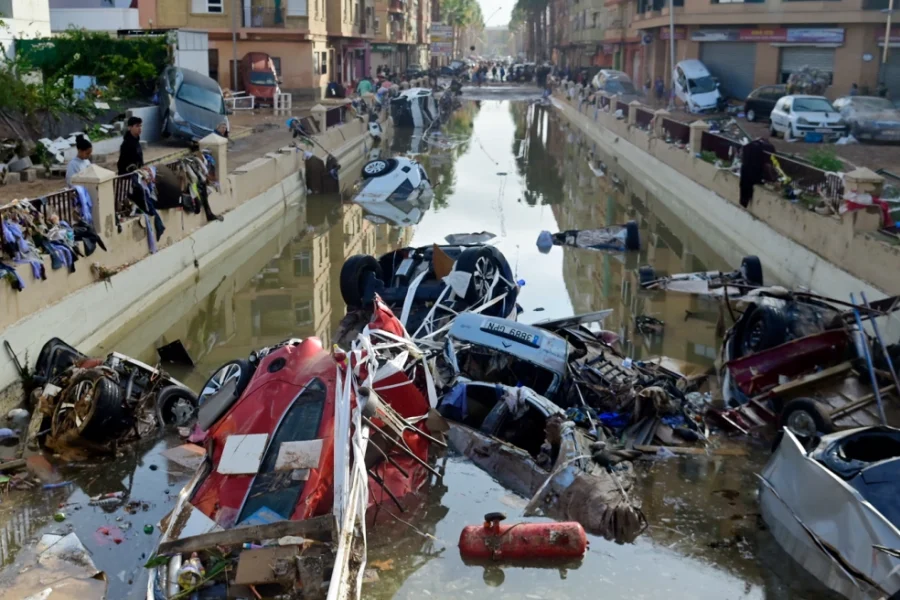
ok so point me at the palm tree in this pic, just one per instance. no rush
(461, 14)
(533, 15)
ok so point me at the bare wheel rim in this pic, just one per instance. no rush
(181, 411)
(74, 412)
(483, 275)
(802, 423)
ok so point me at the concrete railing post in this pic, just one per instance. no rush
(99, 184)
(658, 117)
(218, 146)
(864, 182)
(614, 104)
(633, 107)
(696, 139)
(318, 113)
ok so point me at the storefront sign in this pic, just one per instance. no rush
(441, 32)
(792, 35)
(895, 36)
(441, 48)
(382, 48)
(680, 33)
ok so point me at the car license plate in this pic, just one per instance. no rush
(823, 130)
(511, 333)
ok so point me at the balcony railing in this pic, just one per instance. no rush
(876, 4)
(261, 16)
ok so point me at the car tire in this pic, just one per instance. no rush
(101, 419)
(772, 131)
(751, 115)
(751, 269)
(378, 168)
(353, 275)
(632, 236)
(176, 407)
(212, 408)
(646, 274)
(764, 327)
(806, 417)
(482, 263)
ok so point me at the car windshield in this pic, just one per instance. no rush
(262, 78)
(702, 85)
(872, 104)
(202, 98)
(812, 105)
(620, 86)
(402, 192)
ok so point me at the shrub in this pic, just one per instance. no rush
(826, 160)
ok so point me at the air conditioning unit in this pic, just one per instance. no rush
(377, 24)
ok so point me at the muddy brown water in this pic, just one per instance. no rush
(511, 168)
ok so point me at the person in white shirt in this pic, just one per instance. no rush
(81, 161)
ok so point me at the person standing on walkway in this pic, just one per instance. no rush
(854, 90)
(131, 155)
(494, 72)
(81, 161)
(364, 86)
(502, 72)
(660, 89)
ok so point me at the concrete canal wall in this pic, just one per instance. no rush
(85, 311)
(829, 255)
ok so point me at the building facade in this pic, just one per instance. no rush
(93, 15)
(26, 19)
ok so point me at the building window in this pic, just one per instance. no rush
(596, 14)
(303, 313)
(303, 264)
(324, 63)
(207, 6)
(214, 6)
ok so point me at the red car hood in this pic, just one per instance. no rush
(294, 387)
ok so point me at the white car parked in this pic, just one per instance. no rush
(811, 118)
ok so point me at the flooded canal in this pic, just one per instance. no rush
(511, 168)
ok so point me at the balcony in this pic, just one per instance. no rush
(876, 4)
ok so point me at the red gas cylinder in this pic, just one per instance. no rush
(522, 540)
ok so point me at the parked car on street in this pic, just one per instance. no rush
(762, 100)
(191, 105)
(259, 76)
(870, 117)
(616, 82)
(811, 118)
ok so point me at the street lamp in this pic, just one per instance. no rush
(887, 41)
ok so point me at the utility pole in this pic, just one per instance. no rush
(672, 54)
(887, 42)
(234, 62)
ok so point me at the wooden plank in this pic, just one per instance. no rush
(12, 465)
(316, 528)
(859, 403)
(813, 378)
(692, 450)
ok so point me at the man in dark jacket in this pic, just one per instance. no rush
(131, 155)
(754, 159)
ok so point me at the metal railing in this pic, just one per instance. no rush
(678, 131)
(623, 106)
(722, 147)
(261, 16)
(122, 186)
(811, 180)
(644, 118)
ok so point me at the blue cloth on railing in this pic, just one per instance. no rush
(12, 234)
(85, 204)
(62, 253)
(151, 238)
(37, 269)
(17, 283)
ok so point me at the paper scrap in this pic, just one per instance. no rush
(298, 455)
(243, 454)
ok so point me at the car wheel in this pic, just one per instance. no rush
(632, 236)
(353, 277)
(772, 131)
(175, 407)
(751, 269)
(483, 265)
(765, 327)
(751, 115)
(93, 409)
(806, 417)
(378, 168)
(222, 390)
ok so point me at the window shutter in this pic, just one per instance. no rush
(296, 8)
(198, 6)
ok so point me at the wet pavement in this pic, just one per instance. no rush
(511, 168)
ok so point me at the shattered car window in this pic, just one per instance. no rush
(812, 105)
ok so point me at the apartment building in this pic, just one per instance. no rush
(402, 34)
(311, 42)
(599, 33)
(93, 15)
(23, 19)
(749, 44)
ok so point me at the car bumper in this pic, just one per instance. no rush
(825, 132)
(881, 135)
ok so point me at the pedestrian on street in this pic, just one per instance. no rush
(502, 73)
(81, 161)
(660, 90)
(494, 72)
(854, 90)
(364, 86)
(131, 155)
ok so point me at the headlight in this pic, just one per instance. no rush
(802, 121)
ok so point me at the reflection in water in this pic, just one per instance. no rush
(512, 169)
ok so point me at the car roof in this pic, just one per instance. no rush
(198, 79)
(805, 96)
(693, 65)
